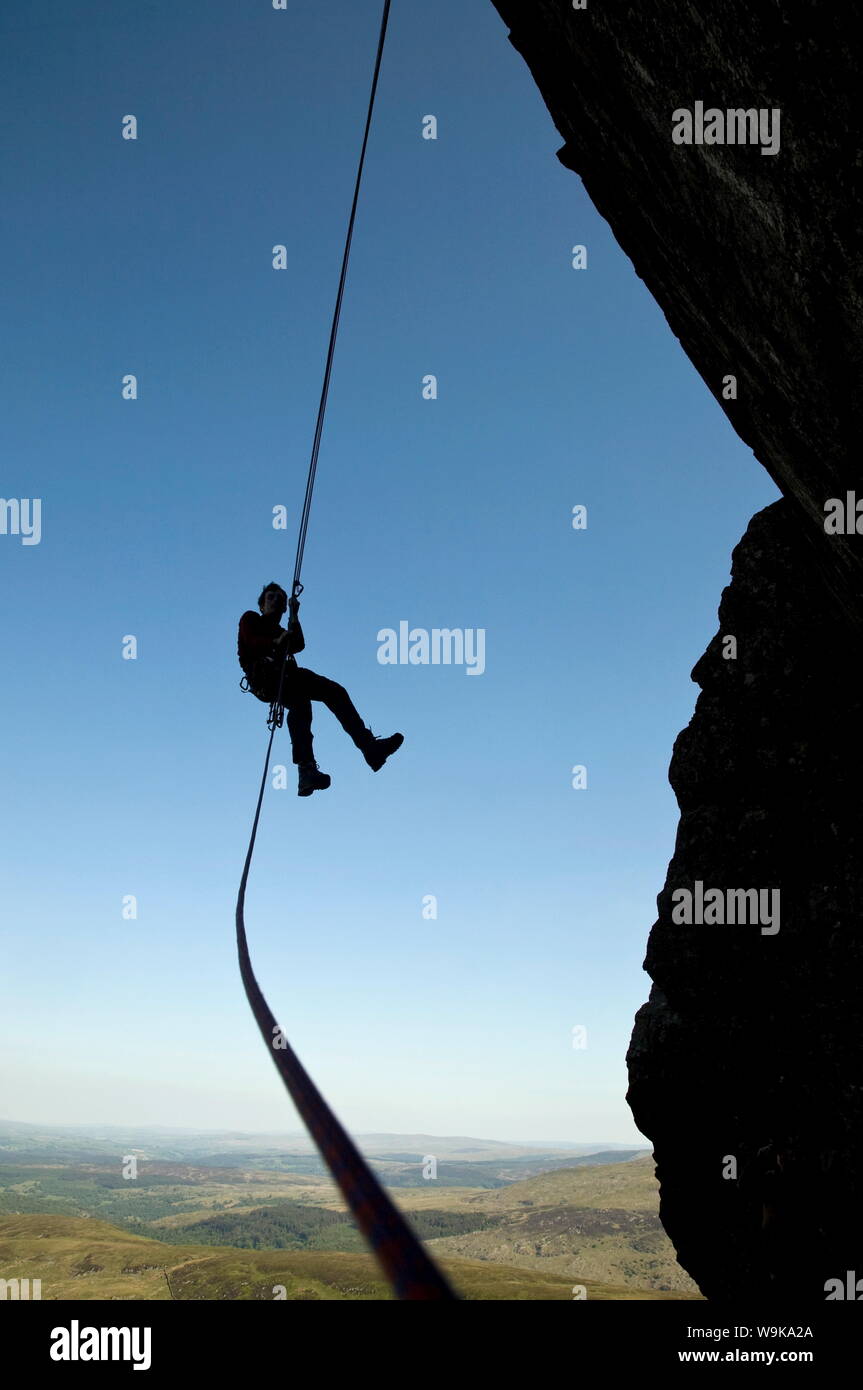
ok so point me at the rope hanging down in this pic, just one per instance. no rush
(325, 391)
(407, 1266)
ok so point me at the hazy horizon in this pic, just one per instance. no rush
(91, 1126)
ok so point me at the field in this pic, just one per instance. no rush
(80, 1259)
(75, 1217)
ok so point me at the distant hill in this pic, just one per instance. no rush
(590, 1223)
(398, 1159)
(229, 1148)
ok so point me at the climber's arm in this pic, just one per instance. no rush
(292, 636)
(296, 640)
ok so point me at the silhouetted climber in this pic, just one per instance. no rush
(260, 646)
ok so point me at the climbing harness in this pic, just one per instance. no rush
(264, 667)
(411, 1272)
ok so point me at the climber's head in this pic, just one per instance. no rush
(273, 600)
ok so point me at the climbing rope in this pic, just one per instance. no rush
(277, 712)
(407, 1266)
(325, 391)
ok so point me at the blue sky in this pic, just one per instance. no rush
(555, 387)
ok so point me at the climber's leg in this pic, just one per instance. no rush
(306, 686)
(311, 686)
(298, 707)
(336, 698)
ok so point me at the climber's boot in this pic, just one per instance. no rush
(377, 750)
(311, 779)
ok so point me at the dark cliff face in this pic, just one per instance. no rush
(754, 259)
(746, 1065)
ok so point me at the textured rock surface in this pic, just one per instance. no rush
(755, 259)
(750, 1047)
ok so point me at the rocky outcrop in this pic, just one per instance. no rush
(754, 259)
(746, 1067)
(746, 1064)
